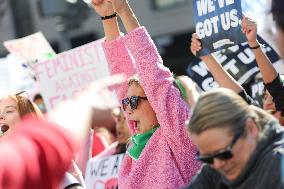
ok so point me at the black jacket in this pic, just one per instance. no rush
(276, 90)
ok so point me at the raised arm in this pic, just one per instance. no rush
(110, 25)
(267, 70)
(223, 78)
(119, 58)
(126, 14)
(271, 78)
(156, 80)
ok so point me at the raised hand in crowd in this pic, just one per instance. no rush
(274, 88)
(105, 9)
(126, 14)
(223, 78)
(249, 28)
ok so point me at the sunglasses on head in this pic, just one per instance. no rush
(133, 101)
(221, 155)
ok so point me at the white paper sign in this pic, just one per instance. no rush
(5, 82)
(102, 173)
(32, 48)
(64, 76)
(14, 77)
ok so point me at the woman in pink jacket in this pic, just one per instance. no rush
(161, 153)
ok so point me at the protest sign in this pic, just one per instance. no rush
(64, 76)
(240, 63)
(31, 49)
(218, 24)
(257, 92)
(102, 173)
(5, 82)
(14, 77)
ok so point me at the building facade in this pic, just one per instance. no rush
(169, 22)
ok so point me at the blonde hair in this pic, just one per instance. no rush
(134, 79)
(222, 108)
(26, 107)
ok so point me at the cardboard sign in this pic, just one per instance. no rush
(102, 173)
(240, 63)
(218, 24)
(64, 76)
(33, 48)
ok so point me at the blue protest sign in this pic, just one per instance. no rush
(218, 24)
(239, 62)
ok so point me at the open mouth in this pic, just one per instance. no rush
(3, 129)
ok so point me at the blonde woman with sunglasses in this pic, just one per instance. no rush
(160, 154)
(240, 144)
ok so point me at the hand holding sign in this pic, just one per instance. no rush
(196, 46)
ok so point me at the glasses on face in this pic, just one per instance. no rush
(221, 155)
(133, 101)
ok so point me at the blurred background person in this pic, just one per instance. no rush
(38, 100)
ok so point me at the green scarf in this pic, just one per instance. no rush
(138, 142)
(181, 89)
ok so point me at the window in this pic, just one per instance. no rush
(161, 4)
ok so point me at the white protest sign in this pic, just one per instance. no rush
(32, 48)
(14, 77)
(5, 82)
(64, 76)
(102, 173)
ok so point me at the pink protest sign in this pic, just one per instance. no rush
(64, 76)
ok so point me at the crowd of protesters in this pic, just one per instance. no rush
(173, 135)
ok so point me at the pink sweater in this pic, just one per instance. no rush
(168, 159)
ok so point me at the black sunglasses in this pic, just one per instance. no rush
(222, 155)
(133, 101)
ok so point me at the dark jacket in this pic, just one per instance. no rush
(276, 90)
(263, 170)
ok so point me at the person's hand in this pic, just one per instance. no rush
(103, 7)
(195, 44)
(249, 28)
(120, 6)
(195, 47)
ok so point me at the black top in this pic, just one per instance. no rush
(276, 90)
